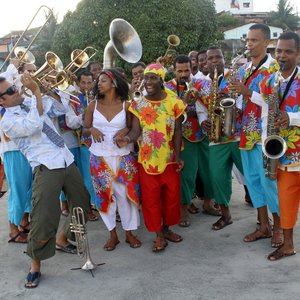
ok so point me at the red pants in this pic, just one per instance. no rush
(160, 197)
(1, 175)
(289, 198)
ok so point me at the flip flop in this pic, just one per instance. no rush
(20, 238)
(71, 249)
(277, 254)
(32, 280)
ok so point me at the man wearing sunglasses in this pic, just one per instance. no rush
(27, 122)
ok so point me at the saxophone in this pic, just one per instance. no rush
(274, 145)
(215, 112)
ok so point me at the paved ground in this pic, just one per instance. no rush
(206, 265)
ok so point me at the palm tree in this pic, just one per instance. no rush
(284, 17)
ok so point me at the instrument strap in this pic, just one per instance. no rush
(287, 87)
(220, 79)
(255, 70)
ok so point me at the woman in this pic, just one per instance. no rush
(113, 169)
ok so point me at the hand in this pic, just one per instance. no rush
(239, 88)
(180, 164)
(121, 132)
(122, 141)
(97, 135)
(206, 125)
(29, 83)
(283, 121)
(15, 61)
(238, 112)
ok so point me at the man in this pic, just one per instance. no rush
(95, 68)
(195, 74)
(262, 190)
(74, 120)
(202, 62)
(286, 94)
(195, 153)
(157, 117)
(30, 127)
(223, 151)
(137, 73)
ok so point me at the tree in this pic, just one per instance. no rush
(194, 21)
(284, 16)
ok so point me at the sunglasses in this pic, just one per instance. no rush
(10, 91)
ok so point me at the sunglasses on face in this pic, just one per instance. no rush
(10, 91)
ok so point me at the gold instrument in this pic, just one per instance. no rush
(78, 227)
(190, 94)
(274, 146)
(23, 54)
(170, 55)
(124, 41)
(215, 112)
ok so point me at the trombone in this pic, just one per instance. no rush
(170, 55)
(22, 53)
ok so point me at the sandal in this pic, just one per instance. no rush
(193, 209)
(257, 235)
(159, 244)
(24, 228)
(92, 217)
(172, 236)
(278, 254)
(110, 245)
(221, 223)
(20, 238)
(133, 241)
(32, 280)
(65, 212)
(212, 211)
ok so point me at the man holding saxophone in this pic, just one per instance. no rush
(195, 152)
(223, 150)
(280, 102)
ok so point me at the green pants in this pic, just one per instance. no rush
(45, 215)
(195, 157)
(221, 159)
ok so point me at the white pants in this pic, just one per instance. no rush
(128, 211)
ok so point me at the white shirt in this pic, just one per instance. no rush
(25, 129)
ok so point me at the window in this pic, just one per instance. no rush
(275, 34)
(246, 4)
(244, 35)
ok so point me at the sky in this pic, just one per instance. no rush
(16, 14)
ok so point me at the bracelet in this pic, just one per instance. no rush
(127, 138)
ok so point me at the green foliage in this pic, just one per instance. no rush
(194, 21)
(227, 21)
(284, 17)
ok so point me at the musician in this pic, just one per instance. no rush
(195, 153)
(287, 51)
(202, 61)
(157, 117)
(224, 152)
(114, 170)
(263, 191)
(95, 68)
(74, 120)
(195, 74)
(53, 169)
(137, 73)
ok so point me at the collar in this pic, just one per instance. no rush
(288, 78)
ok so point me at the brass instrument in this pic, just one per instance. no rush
(170, 55)
(189, 96)
(78, 227)
(274, 146)
(124, 41)
(23, 54)
(138, 93)
(215, 112)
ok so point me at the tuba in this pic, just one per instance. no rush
(274, 145)
(78, 227)
(124, 41)
(215, 112)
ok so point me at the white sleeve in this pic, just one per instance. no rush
(202, 112)
(72, 120)
(294, 118)
(257, 99)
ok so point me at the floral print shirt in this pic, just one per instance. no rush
(157, 121)
(251, 120)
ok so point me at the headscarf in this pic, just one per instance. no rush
(156, 69)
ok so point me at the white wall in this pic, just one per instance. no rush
(238, 7)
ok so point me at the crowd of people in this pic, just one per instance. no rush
(109, 146)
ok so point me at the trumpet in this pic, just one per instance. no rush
(138, 93)
(23, 54)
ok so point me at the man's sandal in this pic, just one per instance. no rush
(32, 280)
(159, 244)
(110, 245)
(221, 223)
(278, 254)
(20, 238)
(257, 235)
(192, 209)
(172, 236)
